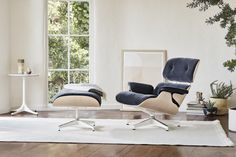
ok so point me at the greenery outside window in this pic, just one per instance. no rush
(68, 43)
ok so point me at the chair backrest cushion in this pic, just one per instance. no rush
(180, 69)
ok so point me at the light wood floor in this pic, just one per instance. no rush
(106, 150)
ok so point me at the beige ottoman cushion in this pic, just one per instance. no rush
(76, 101)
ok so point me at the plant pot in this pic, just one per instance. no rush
(210, 111)
(221, 105)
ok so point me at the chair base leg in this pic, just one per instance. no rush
(149, 120)
(67, 124)
(77, 121)
(89, 124)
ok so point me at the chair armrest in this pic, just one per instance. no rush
(141, 88)
(174, 90)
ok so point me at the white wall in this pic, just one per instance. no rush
(27, 41)
(123, 24)
(4, 53)
(157, 24)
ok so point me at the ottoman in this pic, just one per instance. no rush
(77, 96)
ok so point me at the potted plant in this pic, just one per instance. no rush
(209, 108)
(220, 93)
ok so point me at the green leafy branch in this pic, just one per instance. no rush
(226, 18)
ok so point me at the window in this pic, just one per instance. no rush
(68, 43)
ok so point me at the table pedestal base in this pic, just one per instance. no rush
(24, 108)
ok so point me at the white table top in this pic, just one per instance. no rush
(23, 75)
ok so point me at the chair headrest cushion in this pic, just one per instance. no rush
(180, 69)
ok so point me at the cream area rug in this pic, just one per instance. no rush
(111, 131)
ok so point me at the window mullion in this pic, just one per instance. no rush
(69, 70)
(65, 35)
(69, 41)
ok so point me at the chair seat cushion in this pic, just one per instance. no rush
(132, 98)
(72, 92)
(86, 87)
(162, 85)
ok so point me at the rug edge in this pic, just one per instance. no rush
(222, 133)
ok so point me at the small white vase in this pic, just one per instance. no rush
(232, 117)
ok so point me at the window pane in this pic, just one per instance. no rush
(79, 56)
(58, 53)
(57, 17)
(56, 81)
(61, 38)
(79, 77)
(79, 17)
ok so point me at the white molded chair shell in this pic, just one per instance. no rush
(163, 103)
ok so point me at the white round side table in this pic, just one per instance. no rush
(24, 107)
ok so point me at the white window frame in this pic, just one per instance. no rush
(90, 69)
